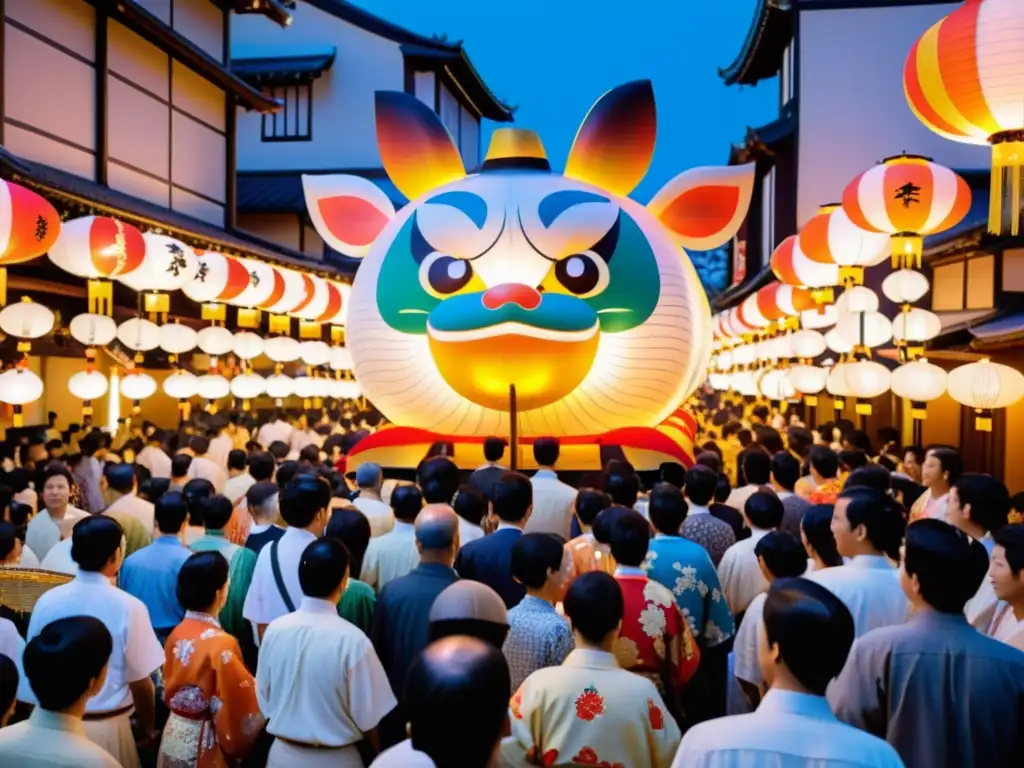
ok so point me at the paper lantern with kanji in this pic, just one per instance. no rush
(99, 249)
(29, 225)
(168, 265)
(830, 237)
(218, 279)
(793, 267)
(907, 197)
(964, 79)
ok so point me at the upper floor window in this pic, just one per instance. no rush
(294, 120)
(964, 285)
(767, 216)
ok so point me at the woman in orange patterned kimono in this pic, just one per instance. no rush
(214, 716)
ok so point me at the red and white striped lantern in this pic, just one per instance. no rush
(29, 226)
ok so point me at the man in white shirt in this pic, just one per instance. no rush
(739, 571)
(395, 554)
(867, 525)
(65, 665)
(153, 457)
(120, 486)
(275, 430)
(96, 547)
(804, 639)
(319, 681)
(221, 443)
(370, 480)
(553, 500)
(757, 470)
(275, 589)
(202, 467)
(239, 480)
(56, 516)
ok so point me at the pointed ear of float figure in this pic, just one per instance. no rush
(416, 149)
(615, 143)
(704, 207)
(347, 211)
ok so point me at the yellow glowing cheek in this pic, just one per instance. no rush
(551, 284)
(475, 285)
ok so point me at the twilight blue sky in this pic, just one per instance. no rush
(553, 58)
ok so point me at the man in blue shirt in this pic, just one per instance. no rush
(151, 574)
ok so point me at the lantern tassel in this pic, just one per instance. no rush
(18, 420)
(3, 287)
(1007, 170)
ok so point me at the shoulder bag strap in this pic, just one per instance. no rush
(275, 565)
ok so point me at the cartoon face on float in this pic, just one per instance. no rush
(560, 285)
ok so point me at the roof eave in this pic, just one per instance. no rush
(761, 55)
(457, 64)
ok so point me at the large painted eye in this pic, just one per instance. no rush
(444, 275)
(582, 274)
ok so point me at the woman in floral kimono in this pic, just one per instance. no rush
(214, 716)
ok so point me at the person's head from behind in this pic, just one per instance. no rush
(196, 490)
(856, 440)
(56, 485)
(350, 526)
(849, 461)
(942, 566)
(757, 466)
(780, 555)
(279, 450)
(785, 471)
(770, 439)
(701, 483)
(8, 688)
(438, 478)
(10, 545)
(631, 535)
(324, 569)
(471, 504)
(171, 513)
(667, 509)
(469, 608)
(203, 583)
(494, 449)
(673, 472)
(817, 537)
(824, 463)
(512, 498)
(406, 502)
(805, 636)
(870, 476)
(261, 466)
(369, 477)
(1007, 566)
(66, 663)
(594, 606)
(216, 512)
(18, 479)
(942, 468)
(708, 459)
(236, 461)
(457, 694)
(119, 479)
(763, 510)
(152, 489)
(96, 545)
(304, 503)
(545, 451)
(309, 455)
(180, 466)
(760, 414)
(866, 521)
(199, 444)
(978, 499)
(286, 472)
(622, 484)
(800, 441)
(262, 501)
(723, 490)
(437, 535)
(538, 563)
(590, 502)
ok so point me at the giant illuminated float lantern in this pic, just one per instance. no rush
(558, 287)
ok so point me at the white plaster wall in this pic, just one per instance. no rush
(853, 111)
(201, 22)
(343, 125)
(138, 129)
(71, 23)
(423, 84)
(137, 60)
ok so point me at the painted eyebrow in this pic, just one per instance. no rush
(474, 206)
(557, 203)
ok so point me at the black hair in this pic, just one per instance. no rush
(406, 501)
(89, 444)
(785, 470)
(261, 466)
(824, 461)
(605, 522)
(817, 527)
(859, 440)
(948, 563)
(667, 508)
(621, 483)
(1011, 538)
(631, 535)
(180, 465)
(258, 493)
(236, 459)
(62, 661)
(310, 453)
(800, 441)
(199, 444)
(8, 683)
(18, 513)
(916, 450)
(700, 485)
(55, 470)
(216, 512)
(323, 567)
(731, 428)
(880, 515)
(764, 510)
(439, 479)
(852, 460)
(351, 528)
(712, 447)
(8, 537)
(286, 472)
(94, 540)
(722, 489)
(279, 450)
(546, 450)
(302, 499)
(672, 472)
(533, 555)
(761, 411)
(988, 498)
(201, 576)
(119, 477)
(910, 490)
(590, 503)
(756, 465)
(494, 448)
(870, 476)
(471, 503)
(709, 459)
(512, 497)
(142, 474)
(594, 605)
(783, 554)
(950, 460)
(195, 490)
(770, 439)
(170, 512)
(813, 629)
(18, 479)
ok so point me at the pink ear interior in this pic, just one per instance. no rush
(352, 219)
(702, 211)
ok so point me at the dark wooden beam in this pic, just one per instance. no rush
(3, 48)
(102, 100)
(231, 142)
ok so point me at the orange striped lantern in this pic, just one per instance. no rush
(964, 79)
(830, 237)
(793, 267)
(907, 197)
(29, 225)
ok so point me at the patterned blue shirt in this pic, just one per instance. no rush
(683, 566)
(538, 637)
(151, 574)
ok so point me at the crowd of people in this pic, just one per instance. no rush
(233, 595)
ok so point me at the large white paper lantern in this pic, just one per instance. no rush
(905, 286)
(837, 342)
(314, 352)
(857, 298)
(866, 378)
(88, 385)
(984, 386)
(248, 345)
(717, 381)
(341, 359)
(93, 330)
(317, 304)
(807, 379)
(916, 326)
(823, 317)
(177, 339)
(168, 265)
(219, 278)
(216, 340)
(836, 382)
(248, 386)
(26, 320)
(20, 386)
(808, 344)
(261, 285)
(349, 389)
(282, 349)
(919, 382)
(775, 385)
(213, 386)
(745, 382)
(280, 386)
(139, 335)
(181, 385)
(868, 329)
(138, 386)
(297, 287)
(306, 387)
